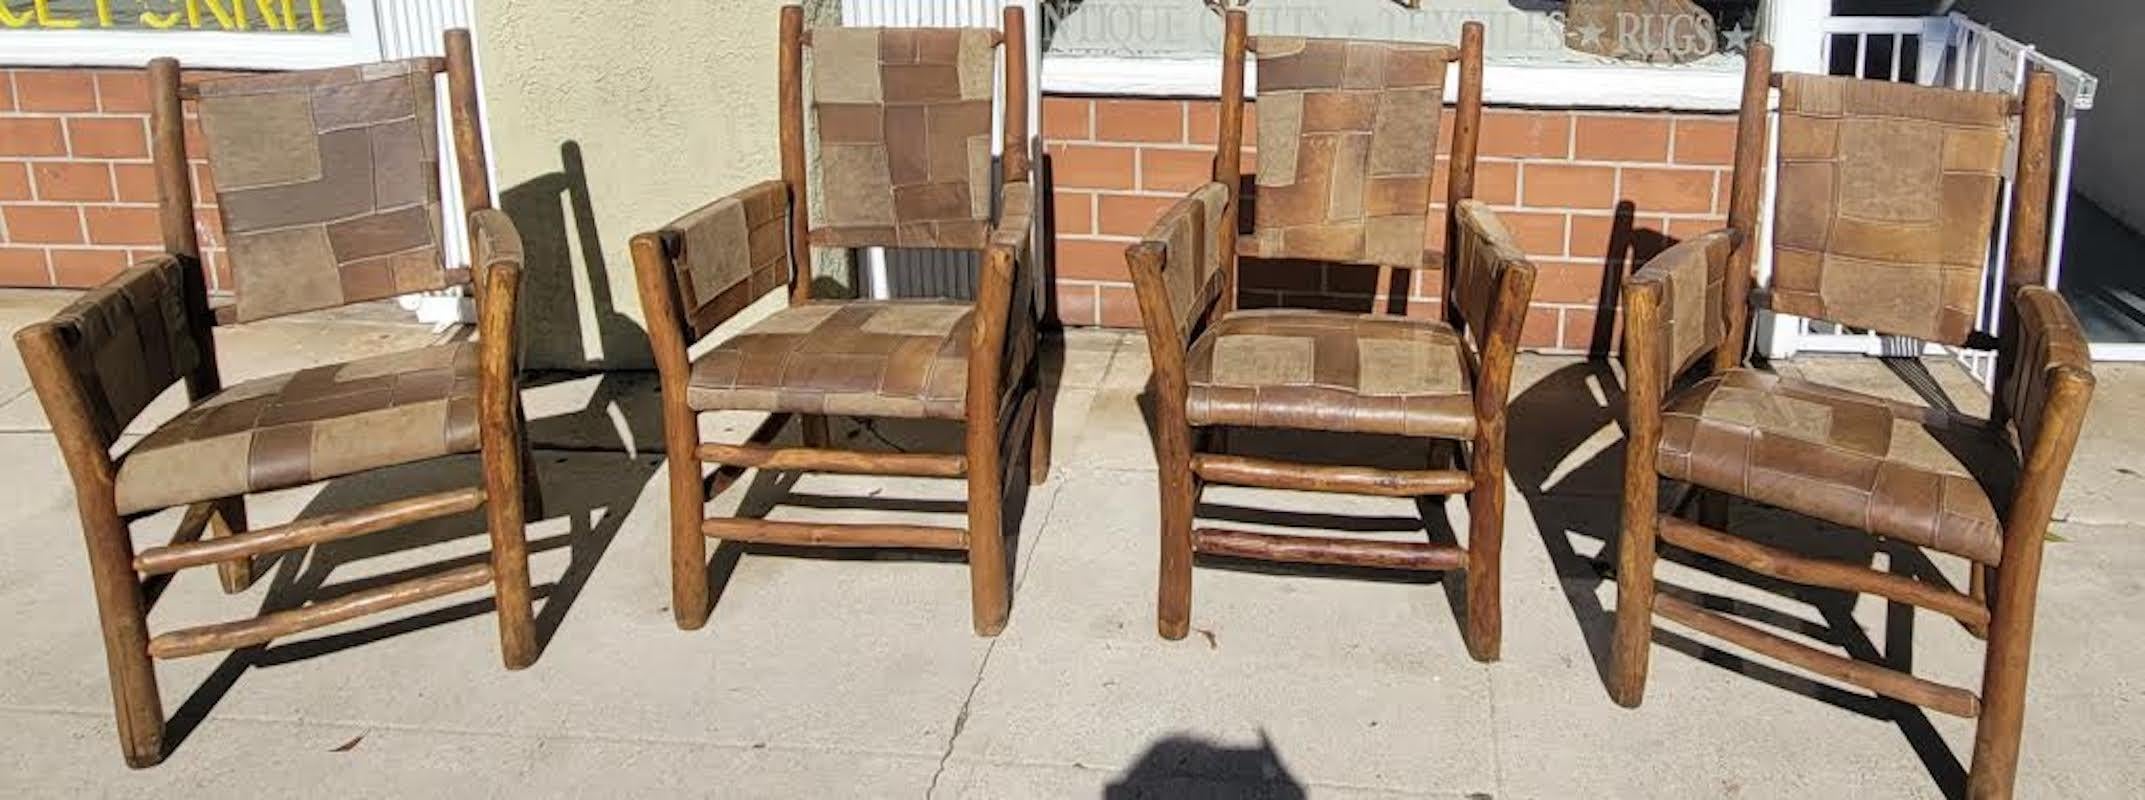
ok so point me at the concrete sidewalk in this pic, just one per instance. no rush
(858, 676)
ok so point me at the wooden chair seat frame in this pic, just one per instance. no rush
(1002, 398)
(1475, 468)
(2044, 387)
(127, 584)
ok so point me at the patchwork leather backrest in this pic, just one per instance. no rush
(1190, 233)
(127, 341)
(328, 182)
(904, 125)
(1348, 135)
(730, 252)
(1888, 196)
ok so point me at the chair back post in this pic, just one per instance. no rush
(469, 160)
(1014, 164)
(1229, 147)
(2026, 263)
(790, 85)
(175, 215)
(1466, 145)
(1744, 197)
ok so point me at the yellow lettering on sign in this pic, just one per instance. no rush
(11, 19)
(104, 13)
(320, 19)
(162, 22)
(46, 20)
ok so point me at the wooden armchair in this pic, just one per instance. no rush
(876, 92)
(329, 188)
(1344, 175)
(1886, 201)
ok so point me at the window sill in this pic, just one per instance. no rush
(1511, 84)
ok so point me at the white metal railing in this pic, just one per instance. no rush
(1958, 52)
(409, 29)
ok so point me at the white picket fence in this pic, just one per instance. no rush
(1958, 52)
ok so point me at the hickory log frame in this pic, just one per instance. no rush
(1189, 456)
(996, 417)
(126, 584)
(1998, 605)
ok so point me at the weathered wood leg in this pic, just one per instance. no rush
(989, 584)
(1485, 554)
(1039, 436)
(503, 474)
(1632, 643)
(140, 712)
(816, 431)
(1180, 499)
(237, 574)
(2003, 676)
(688, 507)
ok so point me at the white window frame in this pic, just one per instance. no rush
(87, 47)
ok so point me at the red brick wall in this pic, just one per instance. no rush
(1558, 178)
(77, 190)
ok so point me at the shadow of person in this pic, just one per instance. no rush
(599, 444)
(1186, 766)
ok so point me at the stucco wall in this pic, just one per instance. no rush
(611, 119)
(2102, 38)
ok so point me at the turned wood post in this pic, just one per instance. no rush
(790, 85)
(681, 434)
(1632, 642)
(1229, 150)
(985, 443)
(1746, 192)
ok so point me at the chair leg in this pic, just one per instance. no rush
(1180, 498)
(1632, 643)
(2003, 679)
(816, 432)
(503, 507)
(125, 623)
(989, 584)
(688, 508)
(1039, 435)
(237, 574)
(1485, 556)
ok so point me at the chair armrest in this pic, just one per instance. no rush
(1003, 339)
(1492, 289)
(705, 267)
(2046, 377)
(1177, 268)
(101, 360)
(1675, 307)
(497, 261)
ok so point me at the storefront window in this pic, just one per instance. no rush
(288, 16)
(1700, 33)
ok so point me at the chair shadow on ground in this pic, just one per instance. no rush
(1566, 456)
(588, 461)
(1187, 766)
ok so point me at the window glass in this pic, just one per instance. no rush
(266, 16)
(1700, 33)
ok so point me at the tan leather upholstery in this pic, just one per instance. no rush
(128, 341)
(1887, 198)
(1919, 475)
(1348, 136)
(1317, 370)
(730, 252)
(862, 358)
(310, 425)
(328, 183)
(904, 135)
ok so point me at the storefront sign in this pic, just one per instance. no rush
(302, 16)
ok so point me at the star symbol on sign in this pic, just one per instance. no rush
(1589, 35)
(1738, 39)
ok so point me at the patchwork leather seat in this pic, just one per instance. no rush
(310, 425)
(1920, 475)
(1330, 371)
(904, 359)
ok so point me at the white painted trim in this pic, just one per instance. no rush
(206, 49)
(1556, 85)
(2118, 351)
